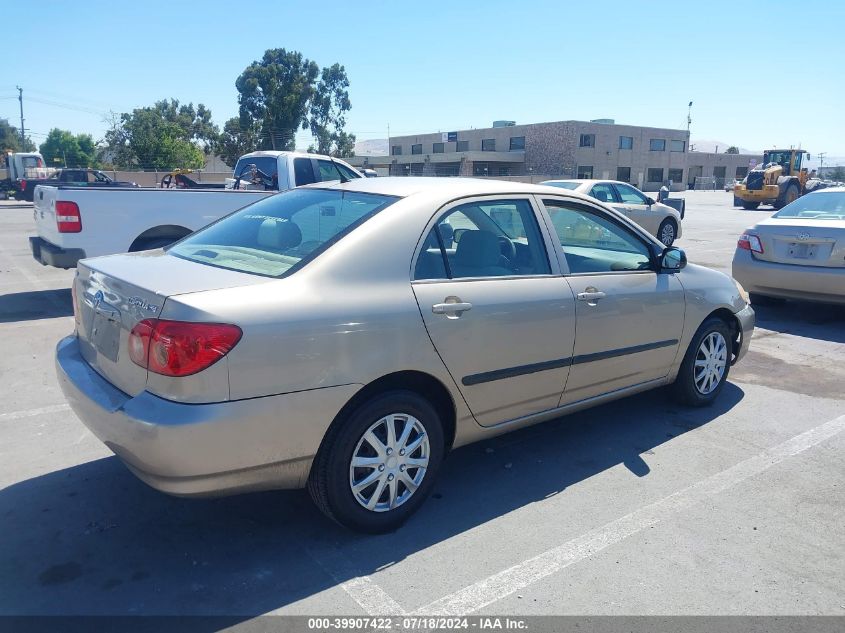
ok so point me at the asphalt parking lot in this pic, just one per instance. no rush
(636, 507)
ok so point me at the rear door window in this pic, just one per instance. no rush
(303, 171)
(604, 192)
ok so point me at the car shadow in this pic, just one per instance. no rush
(92, 539)
(810, 320)
(36, 304)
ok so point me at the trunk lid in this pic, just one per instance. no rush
(114, 293)
(802, 242)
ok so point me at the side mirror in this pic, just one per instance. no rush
(650, 201)
(673, 259)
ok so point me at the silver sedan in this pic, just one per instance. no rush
(661, 220)
(798, 253)
(346, 337)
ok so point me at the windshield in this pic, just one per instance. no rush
(563, 184)
(278, 235)
(823, 205)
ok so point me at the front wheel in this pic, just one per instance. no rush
(667, 232)
(706, 364)
(750, 205)
(377, 466)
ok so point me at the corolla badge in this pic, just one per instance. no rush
(138, 302)
(802, 236)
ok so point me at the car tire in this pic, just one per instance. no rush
(750, 206)
(333, 474)
(737, 202)
(697, 385)
(667, 232)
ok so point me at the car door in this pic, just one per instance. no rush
(637, 207)
(630, 317)
(495, 306)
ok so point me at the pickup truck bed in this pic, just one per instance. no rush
(116, 220)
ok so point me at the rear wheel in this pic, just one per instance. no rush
(750, 205)
(667, 232)
(377, 466)
(706, 364)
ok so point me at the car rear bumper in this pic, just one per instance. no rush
(202, 449)
(789, 281)
(49, 254)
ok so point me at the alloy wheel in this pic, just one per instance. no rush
(710, 363)
(667, 234)
(389, 462)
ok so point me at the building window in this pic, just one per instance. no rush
(396, 150)
(517, 143)
(587, 140)
(481, 169)
(741, 172)
(676, 175)
(677, 146)
(416, 149)
(488, 145)
(720, 172)
(462, 146)
(626, 142)
(657, 145)
(437, 148)
(655, 174)
(623, 174)
(585, 171)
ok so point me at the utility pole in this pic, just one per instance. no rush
(689, 118)
(821, 156)
(23, 134)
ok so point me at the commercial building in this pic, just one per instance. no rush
(644, 156)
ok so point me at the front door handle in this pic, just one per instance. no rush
(590, 295)
(452, 307)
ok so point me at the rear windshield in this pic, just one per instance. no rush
(823, 205)
(563, 184)
(278, 235)
(260, 169)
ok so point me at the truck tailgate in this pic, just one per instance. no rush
(45, 214)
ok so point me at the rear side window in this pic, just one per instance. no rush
(303, 171)
(330, 170)
(278, 235)
(498, 238)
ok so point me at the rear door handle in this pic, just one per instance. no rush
(448, 308)
(591, 296)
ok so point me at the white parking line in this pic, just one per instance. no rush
(362, 589)
(29, 413)
(512, 579)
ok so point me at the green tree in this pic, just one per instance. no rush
(275, 93)
(164, 136)
(10, 139)
(235, 141)
(64, 148)
(327, 116)
(733, 149)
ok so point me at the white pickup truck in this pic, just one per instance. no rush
(78, 222)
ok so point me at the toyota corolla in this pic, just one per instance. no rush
(345, 337)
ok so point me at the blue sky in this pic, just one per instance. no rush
(439, 66)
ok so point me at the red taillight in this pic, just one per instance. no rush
(23, 184)
(179, 348)
(68, 219)
(750, 242)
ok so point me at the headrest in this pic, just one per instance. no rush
(478, 248)
(447, 233)
(279, 234)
